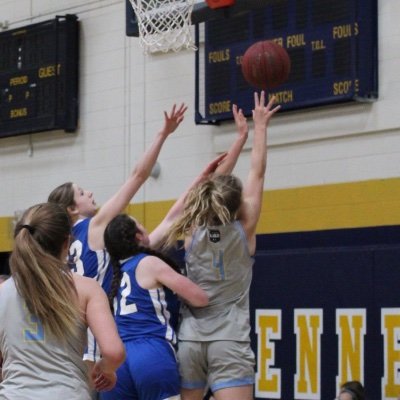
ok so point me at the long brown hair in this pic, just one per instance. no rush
(41, 276)
(215, 201)
(63, 195)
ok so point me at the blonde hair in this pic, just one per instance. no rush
(215, 201)
(42, 278)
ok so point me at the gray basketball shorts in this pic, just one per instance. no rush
(219, 364)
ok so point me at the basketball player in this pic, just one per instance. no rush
(146, 285)
(219, 225)
(48, 309)
(145, 288)
(147, 305)
(87, 254)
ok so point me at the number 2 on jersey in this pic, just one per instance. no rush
(126, 308)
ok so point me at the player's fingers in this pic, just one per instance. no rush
(181, 109)
(275, 109)
(256, 100)
(172, 111)
(271, 102)
(220, 158)
(262, 98)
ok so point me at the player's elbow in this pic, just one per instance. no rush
(140, 175)
(201, 299)
(115, 354)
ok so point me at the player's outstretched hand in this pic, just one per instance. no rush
(240, 121)
(262, 113)
(209, 169)
(213, 165)
(173, 119)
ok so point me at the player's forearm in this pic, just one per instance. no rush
(145, 165)
(228, 164)
(259, 151)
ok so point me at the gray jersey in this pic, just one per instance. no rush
(218, 261)
(36, 367)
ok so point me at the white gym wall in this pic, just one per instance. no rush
(122, 98)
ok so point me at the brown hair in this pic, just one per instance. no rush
(42, 278)
(63, 195)
(354, 388)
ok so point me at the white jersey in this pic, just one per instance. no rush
(218, 260)
(34, 366)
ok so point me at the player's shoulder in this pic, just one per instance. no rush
(6, 287)
(84, 284)
(4, 283)
(152, 265)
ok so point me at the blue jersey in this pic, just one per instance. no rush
(143, 313)
(87, 262)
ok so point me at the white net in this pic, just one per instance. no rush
(164, 25)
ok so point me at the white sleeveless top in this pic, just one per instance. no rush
(218, 261)
(35, 367)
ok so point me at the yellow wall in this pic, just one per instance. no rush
(346, 205)
(336, 206)
(5, 233)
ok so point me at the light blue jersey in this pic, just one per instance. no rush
(37, 365)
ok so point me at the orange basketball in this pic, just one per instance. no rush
(265, 65)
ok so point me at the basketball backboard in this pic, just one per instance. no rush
(202, 12)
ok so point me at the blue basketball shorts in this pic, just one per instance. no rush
(150, 372)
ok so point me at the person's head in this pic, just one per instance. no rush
(125, 237)
(75, 200)
(352, 390)
(216, 201)
(38, 266)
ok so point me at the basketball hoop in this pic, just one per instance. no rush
(164, 25)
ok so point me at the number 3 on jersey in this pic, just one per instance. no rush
(126, 308)
(34, 332)
(74, 257)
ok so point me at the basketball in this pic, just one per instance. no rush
(265, 65)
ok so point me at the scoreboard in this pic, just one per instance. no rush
(332, 45)
(39, 77)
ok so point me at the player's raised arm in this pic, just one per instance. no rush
(140, 173)
(228, 164)
(157, 236)
(254, 185)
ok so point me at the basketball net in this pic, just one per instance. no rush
(164, 25)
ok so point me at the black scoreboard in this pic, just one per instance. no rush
(332, 45)
(39, 77)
